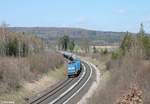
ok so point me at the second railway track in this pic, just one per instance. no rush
(51, 92)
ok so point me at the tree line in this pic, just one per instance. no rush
(18, 43)
(139, 45)
(65, 43)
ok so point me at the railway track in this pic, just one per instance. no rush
(66, 92)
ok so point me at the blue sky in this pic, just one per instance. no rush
(108, 15)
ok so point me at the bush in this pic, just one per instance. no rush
(18, 44)
(125, 73)
(108, 65)
(117, 54)
(128, 69)
(104, 52)
(42, 62)
(11, 74)
(14, 71)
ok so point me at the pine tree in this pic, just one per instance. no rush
(94, 49)
(141, 33)
(126, 43)
(71, 45)
(64, 42)
(144, 41)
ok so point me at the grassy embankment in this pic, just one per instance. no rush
(122, 78)
(126, 80)
(23, 78)
(25, 67)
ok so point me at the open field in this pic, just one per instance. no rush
(110, 48)
(99, 48)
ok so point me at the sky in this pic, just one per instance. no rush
(107, 15)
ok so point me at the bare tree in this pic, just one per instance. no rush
(3, 38)
(85, 43)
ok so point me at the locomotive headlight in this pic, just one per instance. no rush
(72, 68)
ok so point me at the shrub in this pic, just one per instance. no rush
(10, 74)
(14, 71)
(125, 72)
(42, 62)
(19, 44)
(129, 68)
(117, 54)
(104, 51)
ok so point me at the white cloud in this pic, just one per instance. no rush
(81, 19)
(120, 11)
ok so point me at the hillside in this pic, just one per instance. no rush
(52, 34)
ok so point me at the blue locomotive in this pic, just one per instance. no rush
(74, 68)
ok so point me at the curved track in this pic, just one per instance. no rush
(68, 91)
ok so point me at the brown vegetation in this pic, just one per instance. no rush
(129, 69)
(125, 73)
(133, 96)
(13, 71)
(23, 58)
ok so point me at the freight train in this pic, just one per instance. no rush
(74, 68)
(74, 65)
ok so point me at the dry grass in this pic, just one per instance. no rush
(37, 69)
(124, 73)
(32, 88)
(99, 60)
(42, 62)
(12, 73)
(120, 75)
